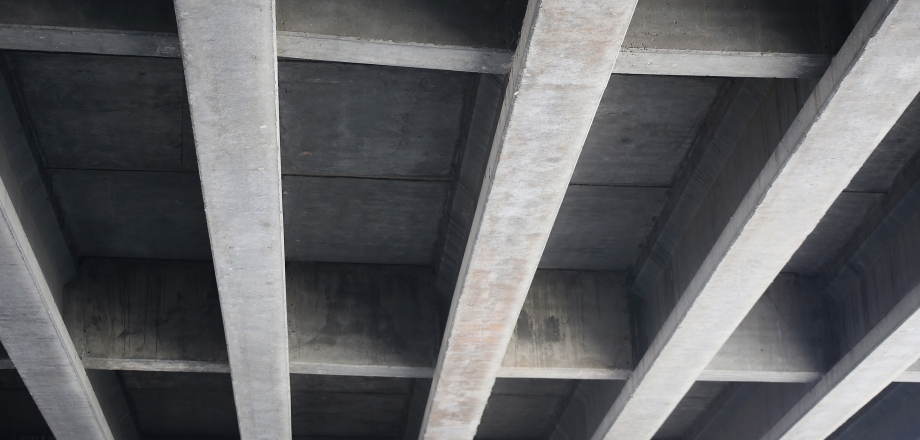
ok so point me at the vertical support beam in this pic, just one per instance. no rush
(230, 58)
(560, 71)
(868, 86)
(34, 265)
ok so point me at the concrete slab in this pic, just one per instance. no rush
(102, 112)
(601, 227)
(362, 220)
(373, 121)
(901, 144)
(832, 233)
(643, 129)
(133, 214)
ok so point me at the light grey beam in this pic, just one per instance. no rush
(305, 46)
(34, 265)
(876, 361)
(231, 71)
(870, 82)
(560, 70)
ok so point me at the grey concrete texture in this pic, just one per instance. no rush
(144, 15)
(785, 26)
(692, 407)
(133, 214)
(643, 129)
(362, 220)
(901, 144)
(189, 405)
(524, 408)
(601, 227)
(572, 320)
(231, 71)
(824, 148)
(561, 68)
(20, 414)
(31, 326)
(891, 414)
(373, 121)
(477, 23)
(832, 233)
(114, 113)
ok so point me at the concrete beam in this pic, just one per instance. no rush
(559, 74)
(34, 264)
(729, 38)
(830, 139)
(231, 71)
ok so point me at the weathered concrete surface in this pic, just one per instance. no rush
(524, 408)
(832, 232)
(133, 214)
(559, 74)
(371, 121)
(20, 414)
(112, 113)
(362, 220)
(644, 128)
(230, 60)
(692, 407)
(891, 414)
(786, 337)
(35, 264)
(601, 227)
(572, 322)
(467, 181)
(833, 135)
(376, 320)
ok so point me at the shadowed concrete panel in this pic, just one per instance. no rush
(133, 214)
(144, 15)
(572, 322)
(347, 316)
(643, 129)
(891, 415)
(835, 132)
(358, 120)
(97, 112)
(900, 145)
(694, 405)
(601, 227)
(35, 263)
(523, 408)
(833, 232)
(231, 70)
(560, 70)
(20, 414)
(362, 220)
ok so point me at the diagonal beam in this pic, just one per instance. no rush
(560, 70)
(34, 265)
(231, 71)
(851, 110)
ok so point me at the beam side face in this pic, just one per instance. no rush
(231, 71)
(869, 84)
(562, 66)
(31, 325)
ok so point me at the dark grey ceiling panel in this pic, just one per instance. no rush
(18, 413)
(833, 232)
(358, 120)
(524, 408)
(343, 406)
(643, 129)
(601, 227)
(362, 220)
(99, 112)
(181, 404)
(133, 214)
(693, 405)
(900, 145)
(137, 15)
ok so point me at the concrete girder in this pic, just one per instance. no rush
(231, 70)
